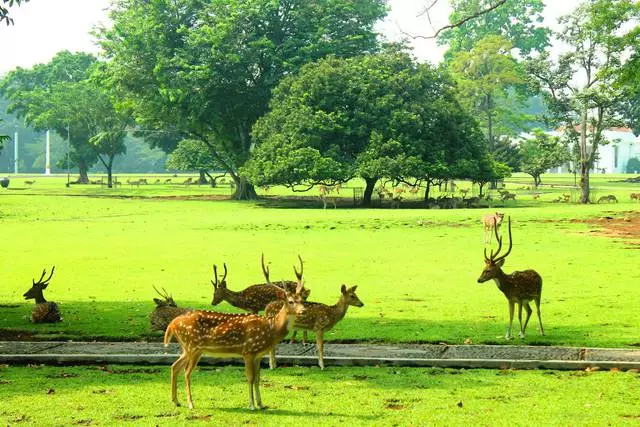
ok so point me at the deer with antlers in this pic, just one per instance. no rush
(250, 336)
(520, 287)
(44, 311)
(256, 297)
(166, 310)
(317, 317)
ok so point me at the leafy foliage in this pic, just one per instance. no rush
(542, 152)
(373, 116)
(205, 70)
(518, 21)
(4, 10)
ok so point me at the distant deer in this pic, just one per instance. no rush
(30, 183)
(167, 181)
(166, 310)
(635, 196)
(317, 317)
(222, 335)
(520, 287)
(187, 181)
(325, 191)
(491, 222)
(132, 183)
(609, 199)
(254, 298)
(44, 311)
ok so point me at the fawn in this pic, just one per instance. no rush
(44, 311)
(256, 297)
(520, 287)
(491, 221)
(166, 310)
(221, 335)
(317, 317)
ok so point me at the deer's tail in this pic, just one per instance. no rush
(168, 334)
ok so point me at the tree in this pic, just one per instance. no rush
(372, 116)
(46, 97)
(580, 86)
(487, 76)
(540, 153)
(206, 69)
(192, 154)
(4, 10)
(487, 170)
(517, 21)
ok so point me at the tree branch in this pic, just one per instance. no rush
(456, 24)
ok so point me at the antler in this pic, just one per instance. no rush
(299, 274)
(44, 271)
(166, 295)
(215, 276)
(501, 257)
(265, 270)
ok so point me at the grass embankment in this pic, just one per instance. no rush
(115, 395)
(416, 269)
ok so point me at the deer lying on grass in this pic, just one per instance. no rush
(491, 222)
(317, 317)
(30, 183)
(44, 311)
(254, 298)
(222, 334)
(520, 287)
(166, 310)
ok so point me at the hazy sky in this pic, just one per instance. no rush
(44, 27)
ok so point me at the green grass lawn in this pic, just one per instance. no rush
(117, 395)
(416, 268)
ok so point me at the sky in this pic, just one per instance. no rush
(44, 27)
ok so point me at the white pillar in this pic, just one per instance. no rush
(15, 152)
(47, 154)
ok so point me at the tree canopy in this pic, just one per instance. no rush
(540, 153)
(372, 116)
(206, 69)
(4, 10)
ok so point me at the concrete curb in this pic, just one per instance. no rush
(445, 356)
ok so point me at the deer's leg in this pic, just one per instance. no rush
(293, 337)
(256, 383)
(527, 307)
(520, 319)
(175, 368)
(249, 369)
(305, 337)
(537, 301)
(511, 309)
(272, 358)
(191, 363)
(320, 345)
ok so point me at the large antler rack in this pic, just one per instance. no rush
(493, 257)
(45, 282)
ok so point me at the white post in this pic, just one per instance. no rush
(15, 152)
(47, 154)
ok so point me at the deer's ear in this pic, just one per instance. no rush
(343, 289)
(353, 288)
(500, 263)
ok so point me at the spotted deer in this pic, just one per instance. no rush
(317, 317)
(44, 311)
(491, 222)
(166, 310)
(249, 336)
(520, 287)
(254, 298)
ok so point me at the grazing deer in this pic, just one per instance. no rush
(132, 183)
(317, 317)
(44, 311)
(635, 196)
(254, 298)
(520, 287)
(187, 181)
(30, 183)
(221, 335)
(167, 181)
(166, 310)
(490, 222)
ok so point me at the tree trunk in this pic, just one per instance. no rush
(203, 177)
(244, 189)
(480, 186)
(426, 192)
(584, 158)
(368, 191)
(83, 171)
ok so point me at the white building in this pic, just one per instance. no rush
(612, 157)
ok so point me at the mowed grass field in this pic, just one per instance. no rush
(416, 269)
(125, 395)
